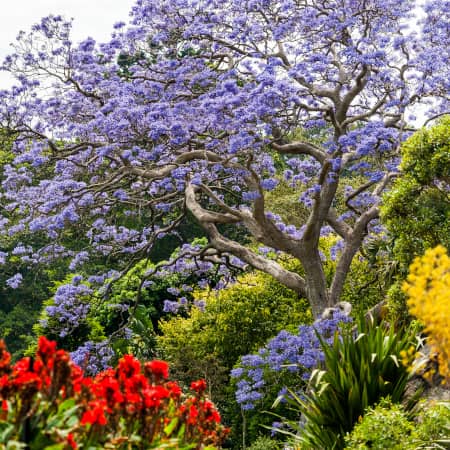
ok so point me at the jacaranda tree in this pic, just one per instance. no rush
(185, 112)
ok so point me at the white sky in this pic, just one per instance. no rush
(93, 18)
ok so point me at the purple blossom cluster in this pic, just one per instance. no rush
(15, 281)
(70, 306)
(93, 357)
(286, 353)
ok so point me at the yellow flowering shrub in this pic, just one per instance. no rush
(428, 289)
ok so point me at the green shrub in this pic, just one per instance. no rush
(388, 425)
(264, 443)
(237, 320)
(434, 424)
(416, 210)
(385, 426)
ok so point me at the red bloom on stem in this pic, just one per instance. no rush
(28, 380)
(95, 415)
(109, 389)
(198, 386)
(154, 396)
(5, 387)
(46, 347)
(24, 377)
(131, 393)
(211, 414)
(133, 398)
(76, 375)
(174, 388)
(159, 369)
(46, 351)
(136, 383)
(4, 383)
(128, 366)
(71, 441)
(193, 415)
(5, 358)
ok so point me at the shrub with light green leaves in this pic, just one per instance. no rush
(264, 443)
(385, 426)
(389, 426)
(237, 320)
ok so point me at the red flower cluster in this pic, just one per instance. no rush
(131, 396)
(51, 373)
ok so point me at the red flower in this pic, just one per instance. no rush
(28, 380)
(159, 369)
(193, 414)
(40, 369)
(154, 396)
(46, 351)
(46, 347)
(5, 358)
(4, 382)
(132, 397)
(109, 389)
(198, 386)
(211, 414)
(76, 374)
(23, 377)
(128, 366)
(95, 415)
(174, 388)
(136, 383)
(71, 441)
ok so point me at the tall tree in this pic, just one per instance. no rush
(184, 110)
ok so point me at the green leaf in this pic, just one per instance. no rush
(66, 404)
(171, 426)
(6, 432)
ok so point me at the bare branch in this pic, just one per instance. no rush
(300, 148)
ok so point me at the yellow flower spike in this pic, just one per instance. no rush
(428, 289)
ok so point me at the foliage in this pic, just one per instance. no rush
(286, 353)
(186, 114)
(428, 287)
(235, 321)
(47, 402)
(434, 423)
(124, 318)
(384, 426)
(416, 211)
(365, 286)
(359, 369)
(284, 363)
(388, 425)
(417, 208)
(264, 443)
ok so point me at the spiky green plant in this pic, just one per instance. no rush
(360, 367)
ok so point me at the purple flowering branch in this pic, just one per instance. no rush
(286, 353)
(182, 112)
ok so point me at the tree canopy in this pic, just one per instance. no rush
(193, 110)
(417, 209)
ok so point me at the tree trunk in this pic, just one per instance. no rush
(316, 284)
